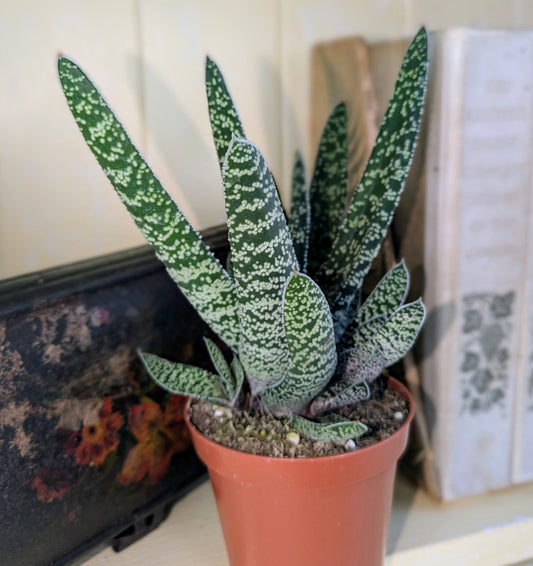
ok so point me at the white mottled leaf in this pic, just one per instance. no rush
(189, 262)
(223, 115)
(389, 344)
(263, 259)
(337, 431)
(300, 216)
(379, 190)
(338, 395)
(312, 353)
(222, 367)
(328, 188)
(388, 295)
(183, 379)
(238, 375)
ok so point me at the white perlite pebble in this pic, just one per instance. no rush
(398, 415)
(350, 445)
(222, 412)
(293, 437)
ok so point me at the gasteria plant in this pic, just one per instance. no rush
(289, 304)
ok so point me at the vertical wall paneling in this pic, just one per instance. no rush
(438, 15)
(522, 13)
(55, 204)
(147, 57)
(243, 38)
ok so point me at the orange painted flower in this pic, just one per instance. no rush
(50, 485)
(94, 442)
(160, 434)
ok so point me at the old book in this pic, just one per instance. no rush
(464, 229)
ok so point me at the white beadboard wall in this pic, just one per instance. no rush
(147, 58)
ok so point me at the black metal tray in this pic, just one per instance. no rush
(91, 451)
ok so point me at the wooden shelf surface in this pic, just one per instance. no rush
(493, 530)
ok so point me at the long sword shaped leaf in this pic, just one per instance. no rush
(328, 188)
(223, 115)
(263, 259)
(378, 192)
(300, 216)
(189, 262)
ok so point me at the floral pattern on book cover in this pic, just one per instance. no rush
(485, 341)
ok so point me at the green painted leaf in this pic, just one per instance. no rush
(309, 333)
(328, 431)
(222, 367)
(263, 259)
(223, 115)
(300, 216)
(189, 262)
(388, 345)
(328, 188)
(339, 395)
(238, 374)
(183, 379)
(378, 192)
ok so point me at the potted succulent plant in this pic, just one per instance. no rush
(303, 348)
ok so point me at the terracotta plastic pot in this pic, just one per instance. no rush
(307, 511)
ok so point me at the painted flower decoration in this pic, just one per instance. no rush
(470, 362)
(94, 442)
(160, 434)
(501, 305)
(482, 379)
(472, 320)
(50, 485)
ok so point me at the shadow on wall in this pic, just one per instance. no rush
(174, 147)
(187, 164)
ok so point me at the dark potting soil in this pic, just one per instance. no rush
(265, 435)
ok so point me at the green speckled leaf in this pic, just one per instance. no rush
(183, 379)
(343, 322)
(328, 431)
(366, 331)
(300, 213)
(339, 395)
(238, 374)
(222, 367)
(263, 259)
(189, 262)
(223, 115)
(309, 332)
(389, 344)
(388, 295)
(331, 418)
(378, 192)
(328, 188)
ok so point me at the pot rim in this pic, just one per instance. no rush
(361, 452)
